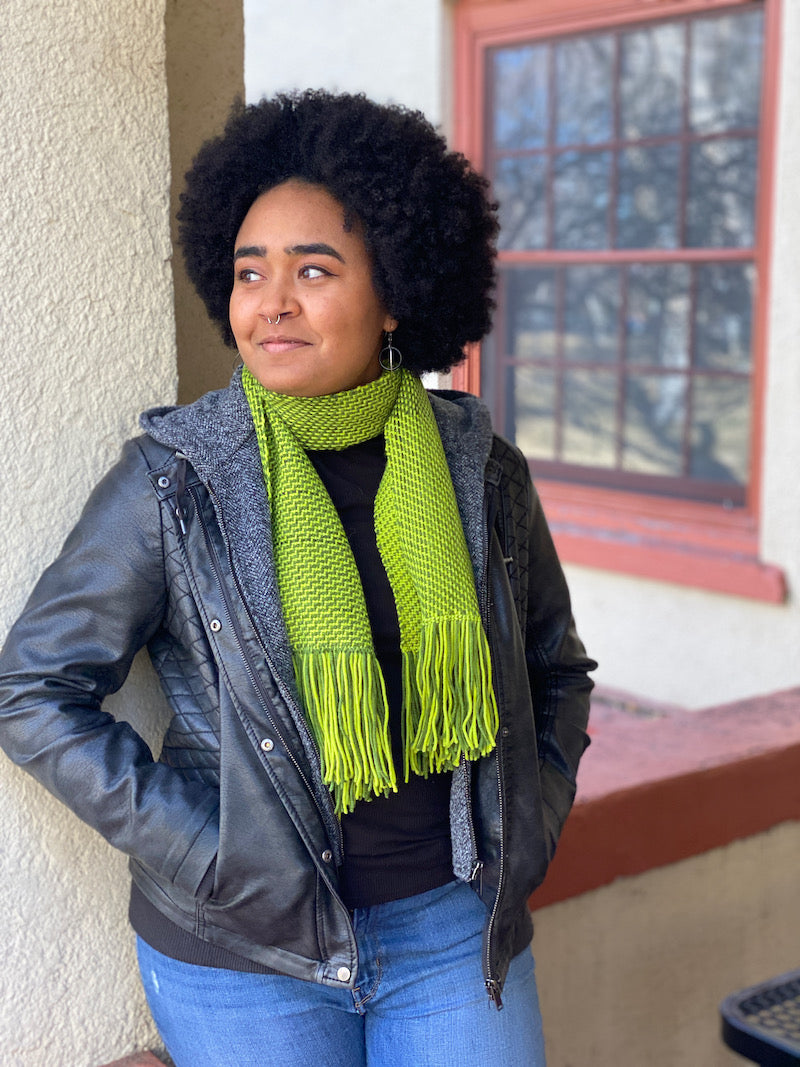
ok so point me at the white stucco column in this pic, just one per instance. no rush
(87, 340)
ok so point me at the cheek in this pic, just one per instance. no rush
(238, 312)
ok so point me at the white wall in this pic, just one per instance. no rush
(87, 339)
(393, 52)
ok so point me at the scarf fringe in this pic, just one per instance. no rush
(336, 688)
(448, 700)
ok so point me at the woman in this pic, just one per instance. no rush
(351, 597)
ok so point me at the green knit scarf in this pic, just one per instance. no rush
(449, 708)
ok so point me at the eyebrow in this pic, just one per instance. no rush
(316, 249)
(249, 250)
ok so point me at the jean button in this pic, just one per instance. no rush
(327, 856)
(343, 974)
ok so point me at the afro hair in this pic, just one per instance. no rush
(423, 212)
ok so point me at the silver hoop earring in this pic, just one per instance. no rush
(275, 323)
(391, 357)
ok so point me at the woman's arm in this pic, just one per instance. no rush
(90, 613)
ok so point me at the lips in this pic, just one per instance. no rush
(281, 344)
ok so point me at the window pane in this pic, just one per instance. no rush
(651, 81)
(723, 316)
(590, 404)
(584, 94)
(725, 72)
(581, 193)
(657, 319)
(647, 204)
(520, 114)
(591, 314)
(534, 411)
(530, 301)
(641, 137)
(720, 429)
(722, 186)
(655, 415)
(519, 185)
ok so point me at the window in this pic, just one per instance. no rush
(629, 151)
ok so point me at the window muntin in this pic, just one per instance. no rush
(625, 163)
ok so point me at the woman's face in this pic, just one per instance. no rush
(294, 258)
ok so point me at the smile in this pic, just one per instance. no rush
(280, 344)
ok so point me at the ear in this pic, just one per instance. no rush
(390, 324)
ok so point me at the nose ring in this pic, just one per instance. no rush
(275, 323)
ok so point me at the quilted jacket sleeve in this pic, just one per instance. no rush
(90, 613)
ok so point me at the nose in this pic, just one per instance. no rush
(277, 302)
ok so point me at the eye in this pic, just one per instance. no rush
(247, 274)
(311, 271)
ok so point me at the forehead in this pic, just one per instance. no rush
(298, 207)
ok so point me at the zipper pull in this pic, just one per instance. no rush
(477, 872)
(493, 989)
(181, 458)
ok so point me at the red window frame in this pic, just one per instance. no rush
(698, 544)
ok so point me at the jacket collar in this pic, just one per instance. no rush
(209, 432)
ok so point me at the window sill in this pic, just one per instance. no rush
(705, 546)
(701, 545)
(656, 790)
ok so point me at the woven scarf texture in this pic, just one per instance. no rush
(449, 707)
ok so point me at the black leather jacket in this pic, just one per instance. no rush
(231, 833)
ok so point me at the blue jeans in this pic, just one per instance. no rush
(420, 1001)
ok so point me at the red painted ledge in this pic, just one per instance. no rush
(660, 785)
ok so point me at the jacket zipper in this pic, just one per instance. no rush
(252, 674)
(493, 987)
(476, 865)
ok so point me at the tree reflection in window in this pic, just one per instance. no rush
(607, 367)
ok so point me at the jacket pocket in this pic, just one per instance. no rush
(195, 875)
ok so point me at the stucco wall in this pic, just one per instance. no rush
(88, 340)
(633, 973)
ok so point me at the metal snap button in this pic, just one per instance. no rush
(163, 483)
(327, 856)
(343, 974)
(268, 744)
(215, 625)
